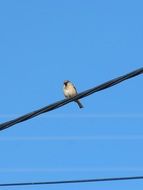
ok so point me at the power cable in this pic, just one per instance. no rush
(66, 101)
(73, 181)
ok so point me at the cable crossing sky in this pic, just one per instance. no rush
(61, 103)
(73, 181)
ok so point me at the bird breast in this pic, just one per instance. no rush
(69, 91)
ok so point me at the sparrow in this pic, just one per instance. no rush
(70, 91)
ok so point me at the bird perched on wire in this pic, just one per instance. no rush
(70, 91)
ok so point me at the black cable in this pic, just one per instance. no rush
(72, 181)
(66, 101)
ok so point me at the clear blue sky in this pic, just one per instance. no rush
(42, 43)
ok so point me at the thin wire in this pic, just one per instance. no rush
(72, 181)
(66, 101)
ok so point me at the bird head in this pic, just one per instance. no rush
(66, 82)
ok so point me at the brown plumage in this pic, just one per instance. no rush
(70, 91)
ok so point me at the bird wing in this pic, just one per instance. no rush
(75, 88)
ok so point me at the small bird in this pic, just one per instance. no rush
(70, 91)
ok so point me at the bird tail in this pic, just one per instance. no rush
(79, 104)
